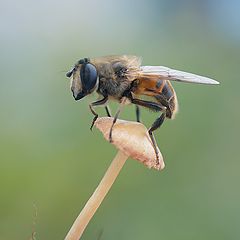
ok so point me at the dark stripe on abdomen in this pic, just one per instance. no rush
(167, 99)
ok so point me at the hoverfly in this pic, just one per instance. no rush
(124, 79)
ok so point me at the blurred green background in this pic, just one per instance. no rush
(50, 162)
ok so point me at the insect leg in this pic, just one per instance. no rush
(123, 100)
(158, 122)
(108, 111)
(138, 113)
(97, 103)
(151, 105)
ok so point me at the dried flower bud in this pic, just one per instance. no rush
(133, 139)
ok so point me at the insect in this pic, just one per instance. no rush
(124, 79)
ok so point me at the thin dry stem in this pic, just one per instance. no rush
(97, 197)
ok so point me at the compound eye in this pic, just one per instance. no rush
(88, 76)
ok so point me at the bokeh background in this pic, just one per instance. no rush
(50, 162)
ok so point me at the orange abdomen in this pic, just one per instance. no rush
(161, 90)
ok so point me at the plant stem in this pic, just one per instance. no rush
(97, 197)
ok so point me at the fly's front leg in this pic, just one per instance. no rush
(95, 116)
(122, 102)
(97, 103)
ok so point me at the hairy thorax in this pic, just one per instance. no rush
(112, 87)
(116, 75)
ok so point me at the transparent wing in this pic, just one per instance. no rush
(175, 75)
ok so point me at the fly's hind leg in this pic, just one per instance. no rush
(158, 122)
(97, 103)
